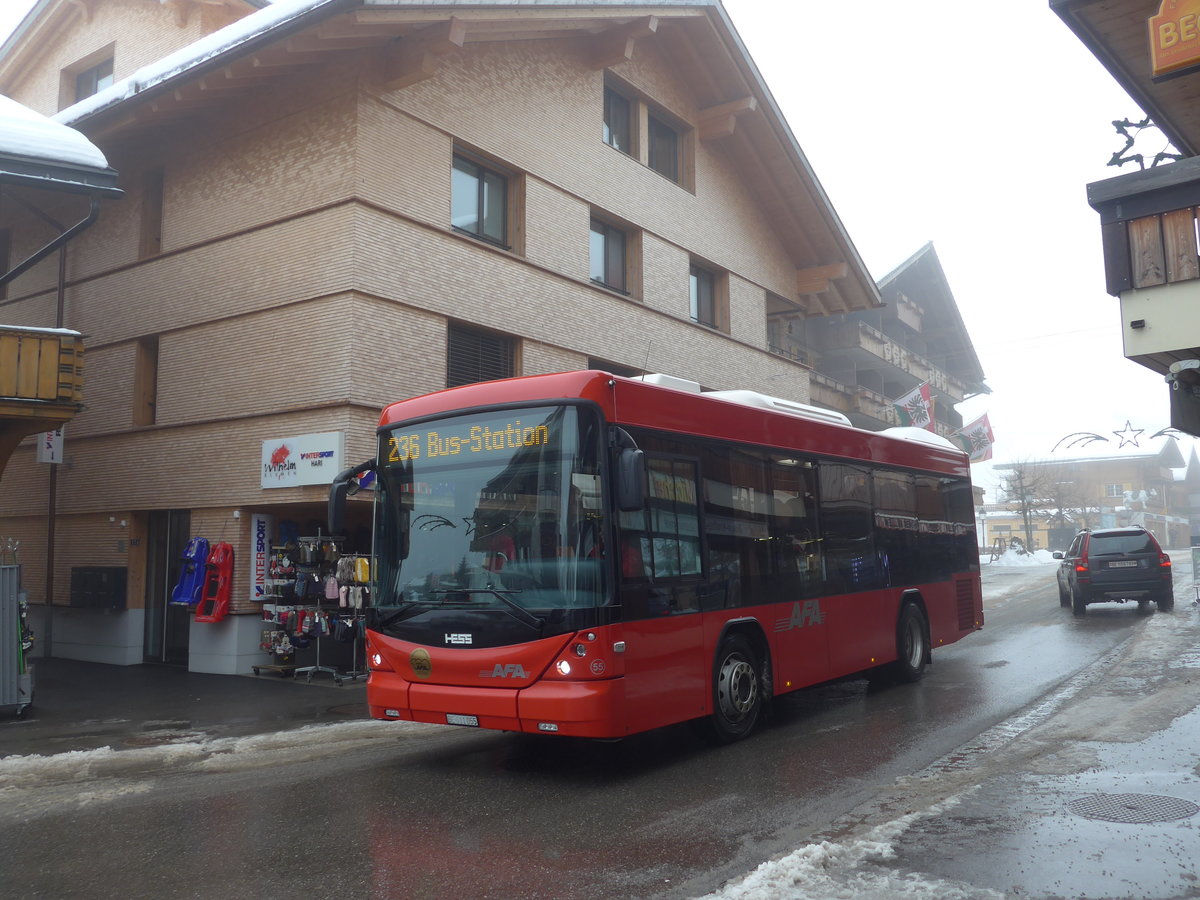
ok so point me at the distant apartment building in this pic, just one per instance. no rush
(863, 361)
(1152, 488)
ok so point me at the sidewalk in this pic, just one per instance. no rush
(84, 706)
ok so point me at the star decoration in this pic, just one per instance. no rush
(1129, 435)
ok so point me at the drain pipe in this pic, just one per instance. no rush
(55, 244)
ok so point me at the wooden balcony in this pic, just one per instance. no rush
(41, 382)
(867, 347)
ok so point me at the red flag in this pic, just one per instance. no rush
(977, 439)
(916, 407)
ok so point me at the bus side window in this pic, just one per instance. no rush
(796, 551)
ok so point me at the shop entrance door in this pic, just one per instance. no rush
(166, 638)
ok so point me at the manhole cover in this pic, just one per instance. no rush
(1133, 808)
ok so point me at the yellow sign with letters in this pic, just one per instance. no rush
(1174, 37)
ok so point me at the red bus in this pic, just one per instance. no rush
(590, 555)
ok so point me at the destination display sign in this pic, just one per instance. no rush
(466, 438)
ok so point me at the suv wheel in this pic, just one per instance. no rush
(1064, 599)
(1078, 601)
(1166, 600)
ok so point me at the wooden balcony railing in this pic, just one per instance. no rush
(41, 382)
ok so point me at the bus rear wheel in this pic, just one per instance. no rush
(912, 644)
(737, 689)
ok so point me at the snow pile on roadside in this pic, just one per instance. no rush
(849, 871)
(1013, 558)
(216, 754)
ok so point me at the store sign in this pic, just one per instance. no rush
(305, 459)
(1175, 37)
(261, 528)
(50, 446)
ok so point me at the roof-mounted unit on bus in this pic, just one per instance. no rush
(778, 404)
(921, 435)
(748, 398)
(670, 381)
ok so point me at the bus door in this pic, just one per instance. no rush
(661, 576)
(795, 578)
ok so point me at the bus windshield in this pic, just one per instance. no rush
(497, 509)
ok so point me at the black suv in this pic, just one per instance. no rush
(1114, 564)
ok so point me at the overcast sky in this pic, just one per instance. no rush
(976, 127)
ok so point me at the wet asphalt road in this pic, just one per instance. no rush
(423, 812)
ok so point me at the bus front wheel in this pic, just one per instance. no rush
(737, 689)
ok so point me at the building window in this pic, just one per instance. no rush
(479, 201)
(649, 134)
(608, 259)
(93, 80)
(703, 285)
(474, 355)
(618, 119)
(1114, 490)
(663, 148)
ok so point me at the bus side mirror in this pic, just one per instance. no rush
(631, 480)
(338, 491)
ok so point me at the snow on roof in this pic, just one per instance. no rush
(921, 435)
(27, 134)
(208, 47)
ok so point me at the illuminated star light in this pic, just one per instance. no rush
(1129, 435)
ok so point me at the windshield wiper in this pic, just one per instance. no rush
(518, 612)
(397, 615)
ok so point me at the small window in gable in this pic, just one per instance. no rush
(663, 149)
(86, 77)
(618, 121)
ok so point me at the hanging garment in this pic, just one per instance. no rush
(362, 570)
(191, 574)
(218, 582)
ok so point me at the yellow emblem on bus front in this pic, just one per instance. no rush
(421, 664)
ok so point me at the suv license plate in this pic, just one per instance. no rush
(1123, 564)
(452, 719)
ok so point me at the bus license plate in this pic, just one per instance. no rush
(452, 719)
(1123, 564)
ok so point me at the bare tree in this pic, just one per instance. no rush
(1028, 486)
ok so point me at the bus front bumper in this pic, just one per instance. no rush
(594, 709)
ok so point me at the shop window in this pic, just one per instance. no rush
(474, 355)
(618, 121)
(152, 214)
(145, 382)
(479, 201)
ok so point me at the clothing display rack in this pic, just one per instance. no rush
(313, 560)
(313, 593)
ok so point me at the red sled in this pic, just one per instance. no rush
(218, 582)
